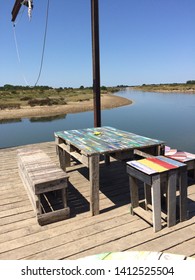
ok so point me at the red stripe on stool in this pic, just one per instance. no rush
(162, 163)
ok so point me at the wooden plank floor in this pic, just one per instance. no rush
(115, 229)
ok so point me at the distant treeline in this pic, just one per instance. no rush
(9, 87)
(192, 82)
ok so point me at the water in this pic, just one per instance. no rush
(165, 116)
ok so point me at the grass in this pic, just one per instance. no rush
(12, 97)
(168, 87)
(19, 97)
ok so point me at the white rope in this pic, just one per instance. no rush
(29, 9)
(29, 4)
(18, 55)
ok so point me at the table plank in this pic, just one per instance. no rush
(105, 139)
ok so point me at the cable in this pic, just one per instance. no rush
(43, 50)
(18, 55)
(16, 45)
(44, 41)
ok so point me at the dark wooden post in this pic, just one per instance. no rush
(16, 9)
(96, 62)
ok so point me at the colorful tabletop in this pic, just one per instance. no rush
(105, 139)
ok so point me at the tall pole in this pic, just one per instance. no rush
(96, 62)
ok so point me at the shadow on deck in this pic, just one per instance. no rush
(115, 229)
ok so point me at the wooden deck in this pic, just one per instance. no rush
(115, 229)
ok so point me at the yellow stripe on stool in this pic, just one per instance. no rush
(152, 165)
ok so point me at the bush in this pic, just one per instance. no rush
(39, 102)
(45, 102)
(9, 106)
(25, 98)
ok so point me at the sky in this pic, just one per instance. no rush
(141, 42)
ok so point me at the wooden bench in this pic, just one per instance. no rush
(181, 156)
(153, 172)
(46, 185)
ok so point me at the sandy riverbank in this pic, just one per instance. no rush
(107, 102)
(162, 89)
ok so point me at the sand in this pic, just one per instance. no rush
(108, 101)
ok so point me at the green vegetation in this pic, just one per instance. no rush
(191, 82)
(189, 86)
(12, 97)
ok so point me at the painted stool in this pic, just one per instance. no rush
(153, 172)
(185, 157)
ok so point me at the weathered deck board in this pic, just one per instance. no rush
(115, 229)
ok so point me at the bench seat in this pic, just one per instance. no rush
(46, 185)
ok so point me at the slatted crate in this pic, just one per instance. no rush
(46, 185)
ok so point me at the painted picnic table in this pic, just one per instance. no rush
(86, 146)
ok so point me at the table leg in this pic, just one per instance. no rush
(171, 198)
(156, 203)
(160, 150)
(147, 192)
(64, 158)
(94, 184)
(183, 195)
(107, 159)
(133, 193)
(193, 176)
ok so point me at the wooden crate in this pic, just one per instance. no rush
(46, 185)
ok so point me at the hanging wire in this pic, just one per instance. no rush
(44, 42)
(43, 50)
(18, 55)
(16, 45)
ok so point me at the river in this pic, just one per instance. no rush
(166, 116)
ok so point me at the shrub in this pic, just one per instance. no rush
(45, 102)
(25, 98)
(39, 102)
(9, 106)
